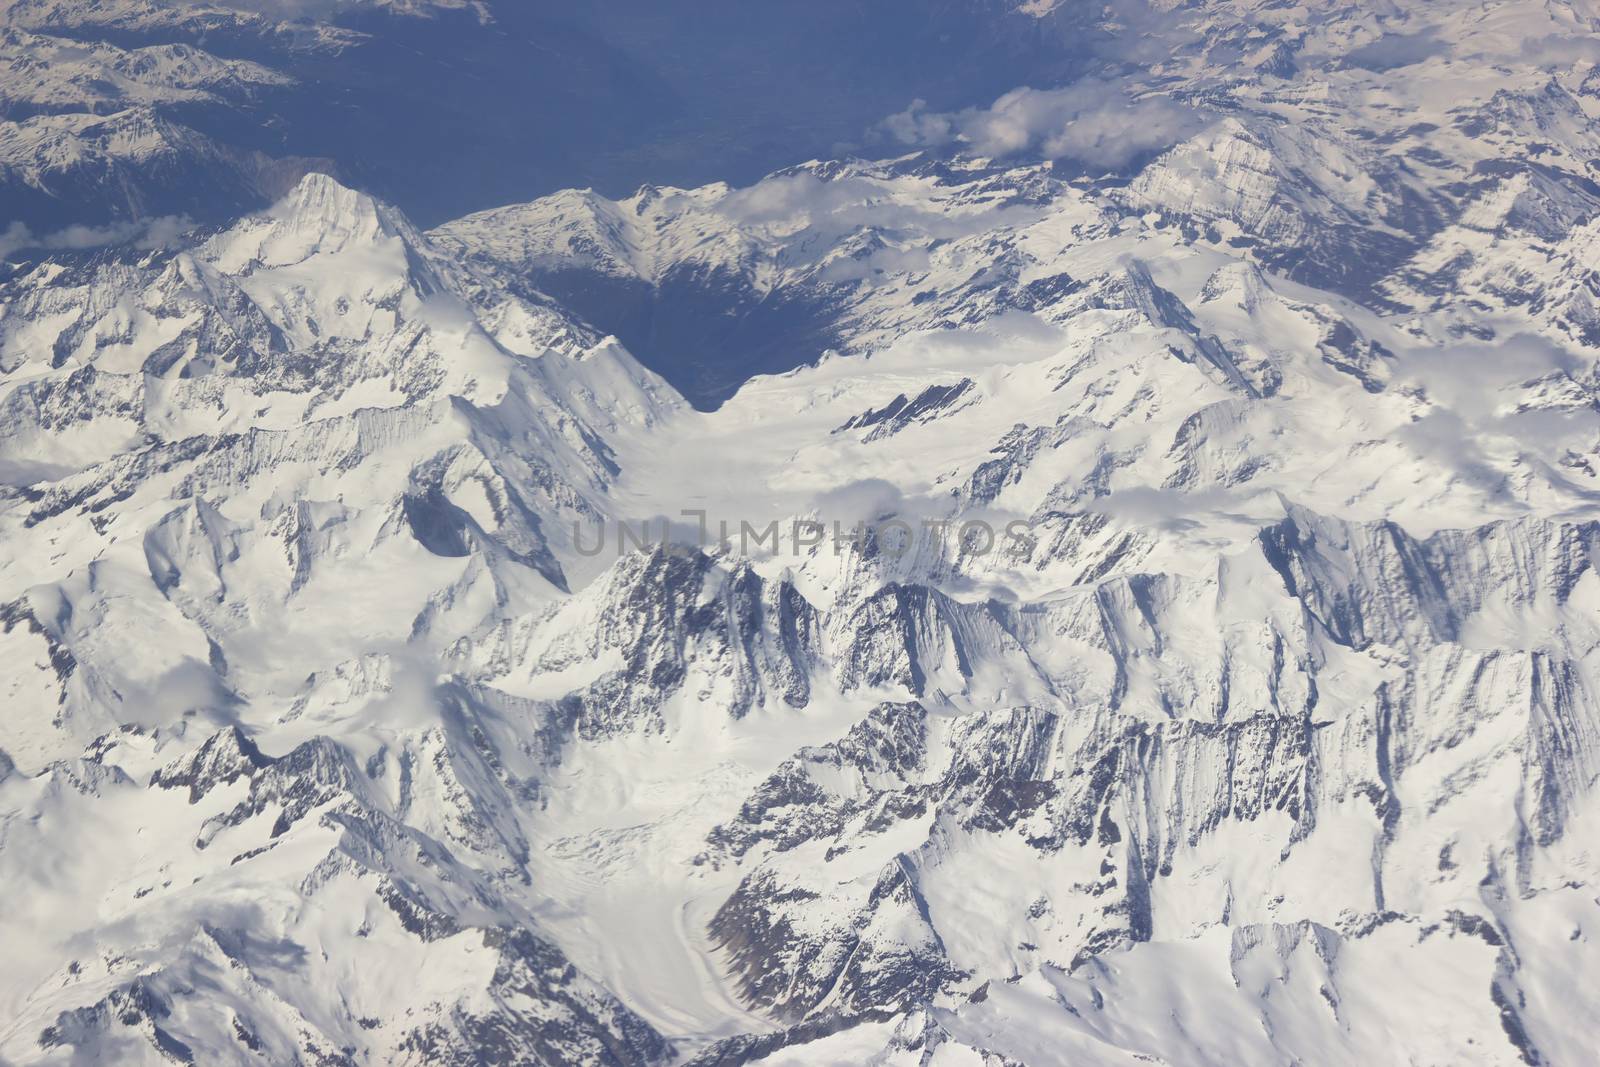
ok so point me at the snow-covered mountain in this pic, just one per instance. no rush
(1139, 606)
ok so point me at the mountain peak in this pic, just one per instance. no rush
(321, 203)
(319, 216)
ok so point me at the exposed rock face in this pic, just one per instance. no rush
(1127, 792)
(667, 622)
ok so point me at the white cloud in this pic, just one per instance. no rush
(1477, 393)
(1092, 121)
(160, 232)
(1560, 51)
(15, 236)
(1395, 50)
(836, 207)
(787, 195)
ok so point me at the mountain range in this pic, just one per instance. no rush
(1097, 567)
